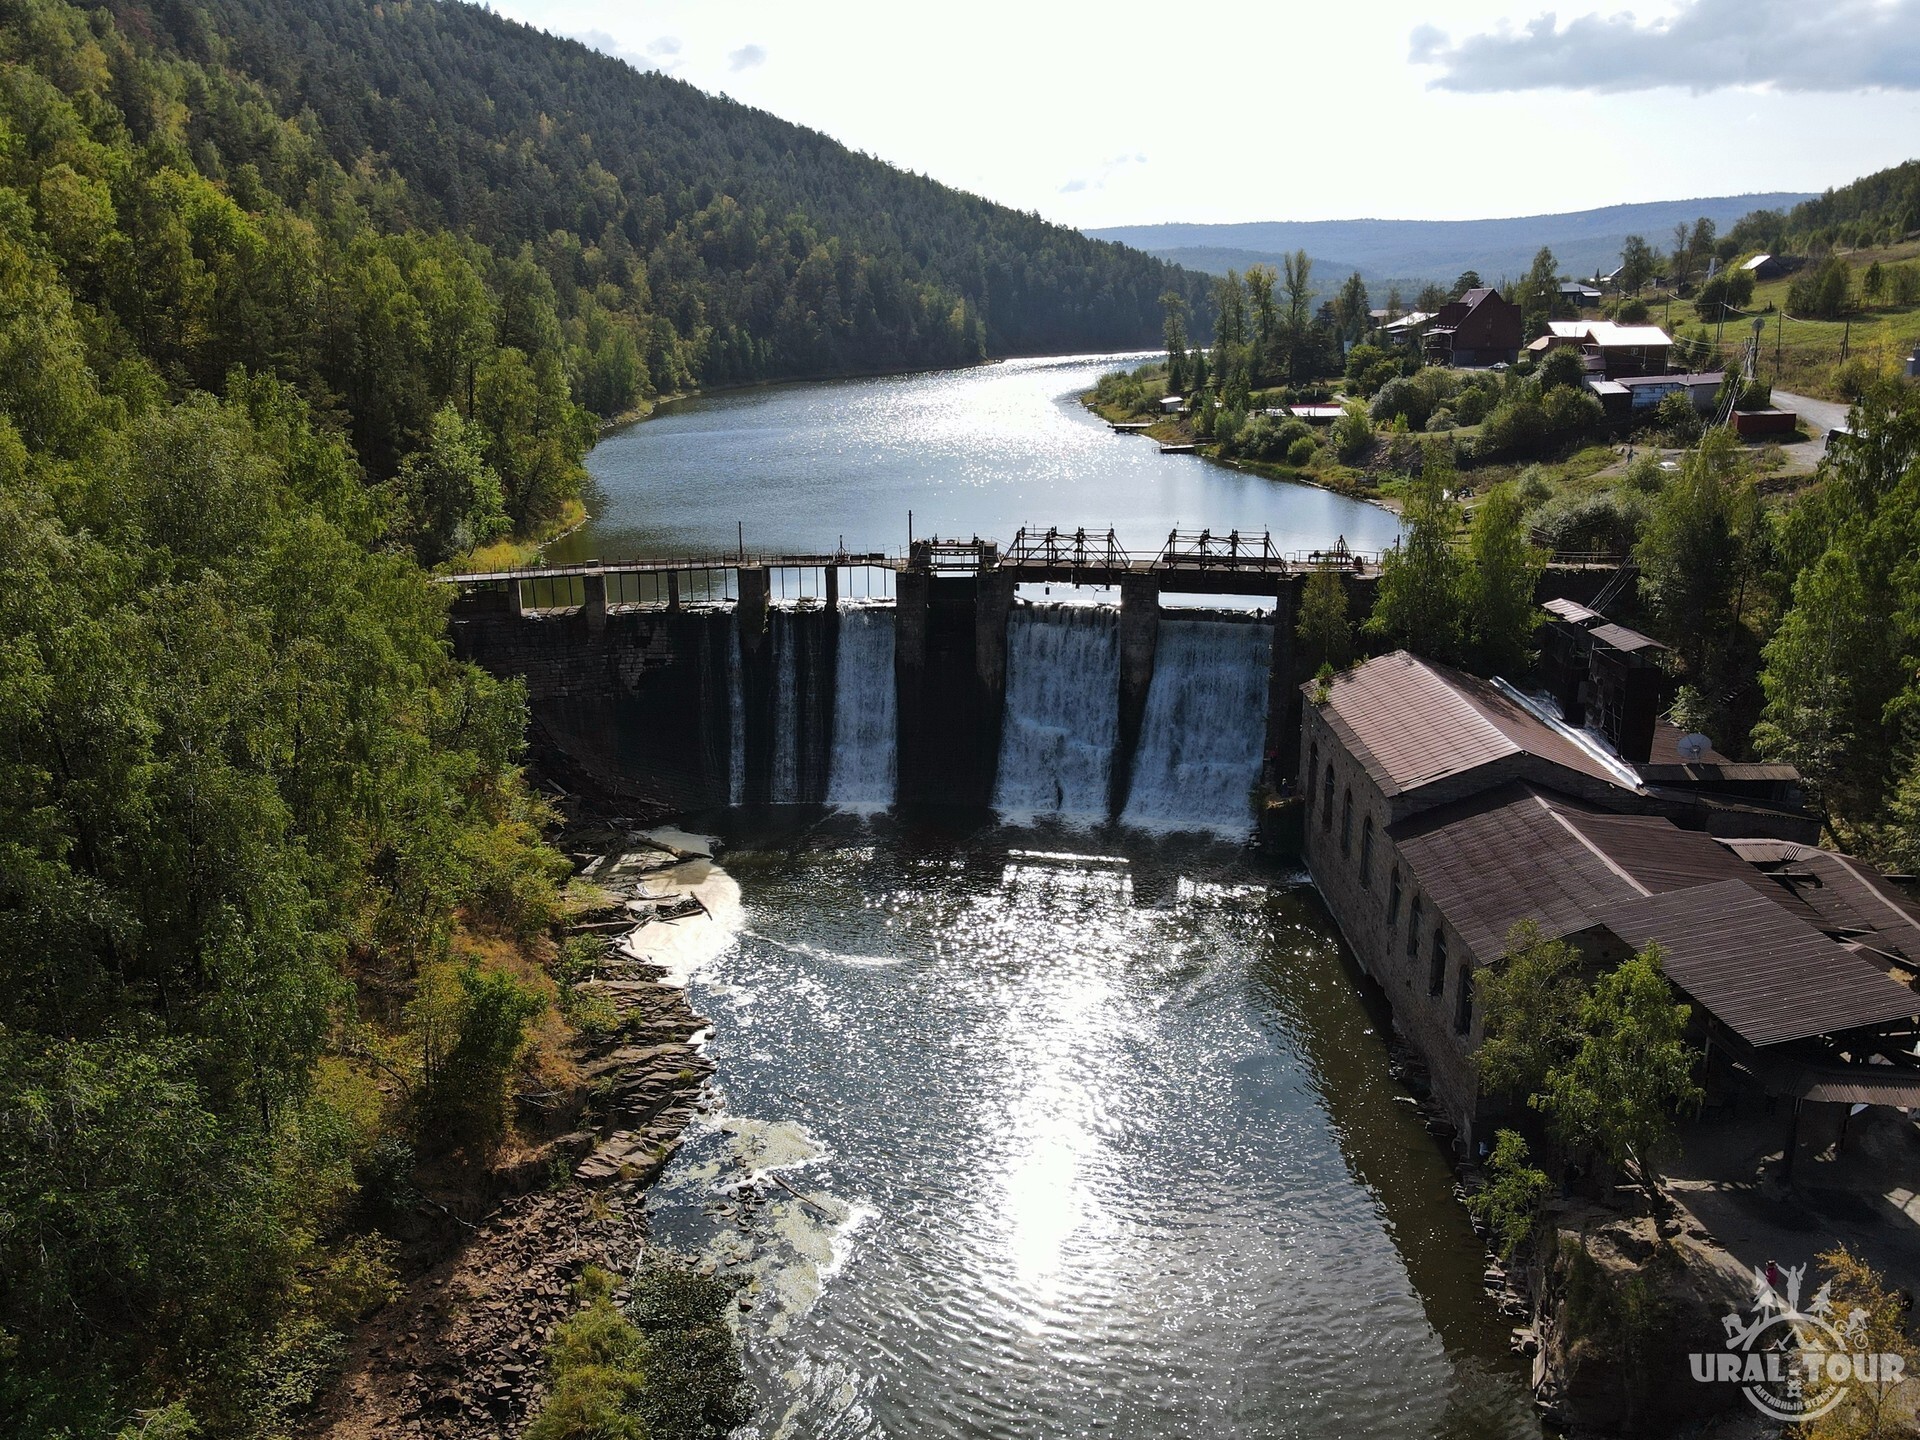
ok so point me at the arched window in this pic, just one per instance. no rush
(1346, 823)
(1393, 899)
(1463, 1004)
(1437, 966)
(1366, 853)
(1326, 800)
(1413, 930)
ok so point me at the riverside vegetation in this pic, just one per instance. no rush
(300, 300)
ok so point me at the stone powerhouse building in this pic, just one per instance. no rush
(1442, 810)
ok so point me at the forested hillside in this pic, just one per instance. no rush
(1877, 209)
(737, 246)
(293, 298)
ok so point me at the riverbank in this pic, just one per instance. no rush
(462, 1349)
(1341, 480)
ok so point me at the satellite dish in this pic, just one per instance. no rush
(1693, 746)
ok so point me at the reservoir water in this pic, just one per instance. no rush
(1019, 1133)
(800, 468)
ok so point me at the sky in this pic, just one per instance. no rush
(1124, 113)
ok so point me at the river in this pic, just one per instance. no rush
(803, 468)
(1072, 1129)
(1037, 1133)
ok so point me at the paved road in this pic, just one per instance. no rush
(1823, 415)
(1817, 417)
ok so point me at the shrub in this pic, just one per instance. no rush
(1645, 475)
(668, 1368)
(1300, 454)
(1515, 429)
(1607, 522)
(1676, 418)
(1823, 291)
(1855, 376)
(1563, 366)
(1475, 399)
(472, 1029)
(1441, 420)
(1510, 1203)
(1402, 399)
(1352, 434)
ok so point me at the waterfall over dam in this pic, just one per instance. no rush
(958, 695)
(862, 768)
(1203, 743)
(1062, 714)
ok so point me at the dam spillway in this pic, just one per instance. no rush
(960, 693)
(1062, 714)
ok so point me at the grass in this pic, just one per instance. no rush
(515, 552)
(1809, 350)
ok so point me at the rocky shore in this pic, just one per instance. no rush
(461, 1352)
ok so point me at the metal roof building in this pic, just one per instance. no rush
(1444, 810)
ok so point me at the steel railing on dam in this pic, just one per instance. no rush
(1188, 561)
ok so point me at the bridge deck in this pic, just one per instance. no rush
(1191, 562)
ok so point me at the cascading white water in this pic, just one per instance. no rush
(1205, 728)
(860, 774)
(1062, 712)
(784, 784)
(736, 718)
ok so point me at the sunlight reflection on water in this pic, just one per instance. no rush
(1110, 1148)
(969, 452)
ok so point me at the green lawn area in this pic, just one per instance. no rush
(1810, 350)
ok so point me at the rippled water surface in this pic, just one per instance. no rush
(1058, 1133)
(982, 451)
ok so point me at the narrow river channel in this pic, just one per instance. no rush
(1058, 1132)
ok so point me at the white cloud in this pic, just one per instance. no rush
(659, 55)
(746, 57)
(1106, 170)
(1846, 45)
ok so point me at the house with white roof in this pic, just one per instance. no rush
(1611, 349)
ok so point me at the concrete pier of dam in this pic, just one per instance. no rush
(685, 685)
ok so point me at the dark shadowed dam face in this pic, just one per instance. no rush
(1032, 711)
(1020, 1134)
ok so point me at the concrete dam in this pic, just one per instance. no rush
(691, 685)
(941, 679)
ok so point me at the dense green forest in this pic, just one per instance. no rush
(728, 244)
(294, 298)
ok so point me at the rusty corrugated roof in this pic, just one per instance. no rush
(1411, 722)
(1572, 610)
(1502, 857)
(1621, 638)
(1660, 857)
(1847, 897)
(1762, 973)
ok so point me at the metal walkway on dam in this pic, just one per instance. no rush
(1198, 562)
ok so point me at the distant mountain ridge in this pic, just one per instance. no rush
(1385, 251)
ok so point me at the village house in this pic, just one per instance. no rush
(1611, 350)
(1480, 329)
(1631, 394)
(1443, 810)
